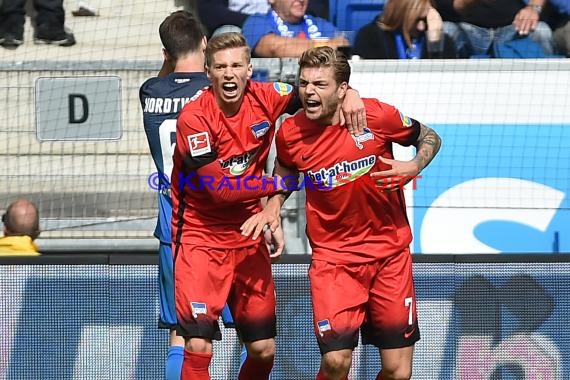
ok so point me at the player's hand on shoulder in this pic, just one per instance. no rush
(353, 113)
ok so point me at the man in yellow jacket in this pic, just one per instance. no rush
(21, 227)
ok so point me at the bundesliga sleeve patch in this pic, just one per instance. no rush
(406, 121)
(199, 144)
(282, 89)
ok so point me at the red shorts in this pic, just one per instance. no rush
(206, 278)
(378, 297)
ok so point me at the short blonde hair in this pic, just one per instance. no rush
(225, 41)
(325, 56)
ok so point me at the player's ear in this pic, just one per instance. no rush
(204, 44)
(249, 70)
(342, 88)
(165, 54)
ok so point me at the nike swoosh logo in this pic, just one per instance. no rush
(305, 158)
(409, 334)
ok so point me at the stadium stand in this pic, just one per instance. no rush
(351, 15)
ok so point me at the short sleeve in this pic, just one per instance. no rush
(195, 144)
(392, 124)
(276, 97)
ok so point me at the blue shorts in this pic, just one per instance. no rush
(167, 317)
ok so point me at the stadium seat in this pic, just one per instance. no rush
(354, 14)
(332, 11)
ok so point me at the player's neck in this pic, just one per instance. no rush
(189, 67)
(228, 109)
(334, 119)
(193, 63)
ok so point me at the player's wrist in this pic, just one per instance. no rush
(419, 165)
(276, 200)
(273, 210)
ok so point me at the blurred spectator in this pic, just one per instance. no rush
(560, 23)
(21, 227)
(475, 25)
(406, 29)
(49, 23)
(229, 15)
(286, 30)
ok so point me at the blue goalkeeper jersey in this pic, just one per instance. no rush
(162, 99)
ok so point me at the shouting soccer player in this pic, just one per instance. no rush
(361, 267)
(222, 142)
(162, 98)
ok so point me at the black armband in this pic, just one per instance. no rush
(192, 163)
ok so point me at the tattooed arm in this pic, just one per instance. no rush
(401, 172)
(427, 146)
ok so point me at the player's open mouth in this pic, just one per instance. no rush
(230, 89)
(313, 105)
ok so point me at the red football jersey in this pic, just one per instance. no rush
(237, 148)
(349, 219)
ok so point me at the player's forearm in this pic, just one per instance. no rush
(246, 191)
(235, 190)
(289, 179)
(275, 203)
(224, 188)
(427, 146)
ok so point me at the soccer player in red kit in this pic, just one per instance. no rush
(361, 267)
(222, 142)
